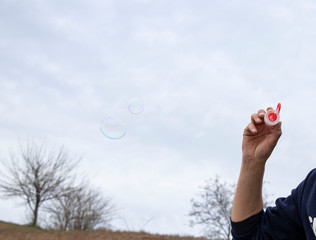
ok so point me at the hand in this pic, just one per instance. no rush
(259, 139)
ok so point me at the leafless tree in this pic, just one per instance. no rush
(82, 208)
(212, 209)
(36, 175)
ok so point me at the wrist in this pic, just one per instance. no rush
(253, 161)
(253, 166)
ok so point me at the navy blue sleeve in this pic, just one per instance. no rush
(280, 222)
(247, 229)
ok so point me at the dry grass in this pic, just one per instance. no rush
(9, 231)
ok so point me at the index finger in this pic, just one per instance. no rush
(261, 113)
(258, 117)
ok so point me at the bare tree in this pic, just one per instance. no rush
(82, 208)
(36, 175)
(213, 209)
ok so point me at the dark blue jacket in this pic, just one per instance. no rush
(293, 218)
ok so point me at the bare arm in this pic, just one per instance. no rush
(259, 141)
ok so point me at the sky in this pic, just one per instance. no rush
(201, 69)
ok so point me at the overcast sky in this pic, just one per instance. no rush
(201, 68)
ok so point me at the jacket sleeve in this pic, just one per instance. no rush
(247, 229)
(283, 221)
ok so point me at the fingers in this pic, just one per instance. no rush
(256, 119)
(251, 128)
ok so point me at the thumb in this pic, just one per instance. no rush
(276, 133)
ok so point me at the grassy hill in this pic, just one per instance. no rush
(10, 231)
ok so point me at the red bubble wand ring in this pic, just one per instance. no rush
(272, 116)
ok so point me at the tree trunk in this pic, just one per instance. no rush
(35, 212)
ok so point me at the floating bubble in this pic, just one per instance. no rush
(113, 128)
(135, 106)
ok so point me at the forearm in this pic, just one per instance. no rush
(248, 194)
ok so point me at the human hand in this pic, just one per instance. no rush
(259, 139)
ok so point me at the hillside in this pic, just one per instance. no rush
(9, 231)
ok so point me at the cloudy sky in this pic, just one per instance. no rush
(200, 67)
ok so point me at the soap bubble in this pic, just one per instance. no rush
(135, 106)
(113, 128)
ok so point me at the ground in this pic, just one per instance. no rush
(9, 231)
